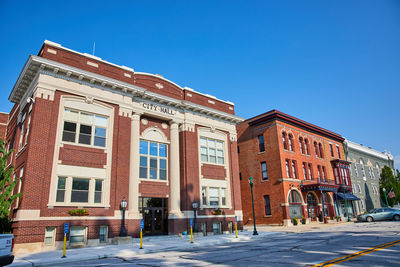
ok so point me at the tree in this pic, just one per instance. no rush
(7, 185)
(389, 182)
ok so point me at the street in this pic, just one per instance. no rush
(308, 248)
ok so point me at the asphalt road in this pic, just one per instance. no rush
(358, 244)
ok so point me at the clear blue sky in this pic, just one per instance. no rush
(332, 63)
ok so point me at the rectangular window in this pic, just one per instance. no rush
(80, 190)
(212, 151)
(204, 195)
(61, 189)
(217, 228)
(27, 129)
(267, 205)
(319, 171)
(338, 151)
(359, 188)
(223, 198)
(77, 234)
(310, 175)
(294, 169)
(21, 174)
(92, 128)
(323, 172)
(98, 190)
(264, 173)
(331, 149)
(103, 234)
(261, 145)
(21, 136)
(49, 236)
(287, 168)
(153, 160)
(213, 196)
(305, 170)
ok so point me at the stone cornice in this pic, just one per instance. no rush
(369, 151)
(36, 64)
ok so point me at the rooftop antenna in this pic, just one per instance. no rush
(94, 46)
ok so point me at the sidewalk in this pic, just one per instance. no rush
(298, 228)
(150, 245)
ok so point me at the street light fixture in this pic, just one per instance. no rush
(252, 202)
(384, 192)
(195, 205)
(124, 203)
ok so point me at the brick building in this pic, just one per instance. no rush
(297, 167)
(88, 133)
(3, 124)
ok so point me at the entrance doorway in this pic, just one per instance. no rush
(155, 215)
(312, 206)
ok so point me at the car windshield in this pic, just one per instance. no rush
(372, 211)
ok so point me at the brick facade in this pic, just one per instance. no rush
(271, 126)
(3, 124)
(136, 107)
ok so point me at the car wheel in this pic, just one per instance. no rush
(396, 217)
(370, 219)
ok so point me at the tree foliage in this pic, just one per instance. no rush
(7, 185)
(389, 182)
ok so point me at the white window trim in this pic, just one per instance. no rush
(207, 205)
(53, 240)
(91, 193)
(78, 103)
(158, 162)
(77, 132)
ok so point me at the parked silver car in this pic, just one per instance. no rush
(380, 214)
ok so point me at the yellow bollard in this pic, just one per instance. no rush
(65, 245)
(191, 234)
(141, 239)
(236, 230)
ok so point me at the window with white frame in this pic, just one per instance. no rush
(362, 204)
(22, 133)
(21, 174)
(362, 169)
(264, 173)
(49, 236)
(81, 190)
(213, 196)
(103, 234)
(355, 169)
(378, 169)
(354, 188)
(153, 160)
(84, 128)
(27, 129)
(77, 234)
(212, 151)
(359, 188)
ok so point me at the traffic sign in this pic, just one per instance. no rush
(191, 222)
(235, 219)
(141, 224)
(66, 228)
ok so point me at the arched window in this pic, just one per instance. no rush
(291, 145)
(284, 141)
(294, 204)
(306, 146)
(362, 169)
(316, 149)
(301, 145)
(321, 151)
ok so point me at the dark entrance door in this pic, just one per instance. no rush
(312, 206)
(155, 215)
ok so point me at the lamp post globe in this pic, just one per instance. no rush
(123, 204)
(195, 205)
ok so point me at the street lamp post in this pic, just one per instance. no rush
(124, 203)
(384, 192)
(195, 206)
(252, 202)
